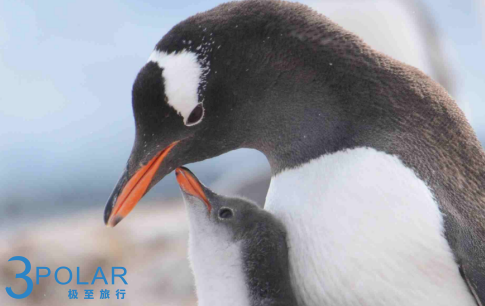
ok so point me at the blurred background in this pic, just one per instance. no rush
(66, 131)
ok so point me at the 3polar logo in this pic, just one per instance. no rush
(30, 284)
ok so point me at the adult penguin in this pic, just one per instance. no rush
(376, 174)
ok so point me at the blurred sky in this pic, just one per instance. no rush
(66, 73)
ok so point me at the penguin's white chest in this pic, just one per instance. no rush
(363, 229)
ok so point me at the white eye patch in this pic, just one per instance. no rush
(182, 74)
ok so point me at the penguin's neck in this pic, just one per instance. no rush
(392, 108)
(339, 100)
(363, 229)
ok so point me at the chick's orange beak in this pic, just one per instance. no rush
(191, 185)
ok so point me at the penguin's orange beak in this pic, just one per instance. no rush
(135, 188)
(191, 185)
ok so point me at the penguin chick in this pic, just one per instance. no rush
(238, 251)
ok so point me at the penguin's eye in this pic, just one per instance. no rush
(225, 213)
(196, 115)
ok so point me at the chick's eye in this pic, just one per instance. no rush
(225, 213)
(196, 115)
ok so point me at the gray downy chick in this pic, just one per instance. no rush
(238, 251)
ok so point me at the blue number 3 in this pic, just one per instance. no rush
(23, 275)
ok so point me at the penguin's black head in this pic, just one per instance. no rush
(196, 98)
(225, 79)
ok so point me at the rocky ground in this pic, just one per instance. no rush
(151, 244)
